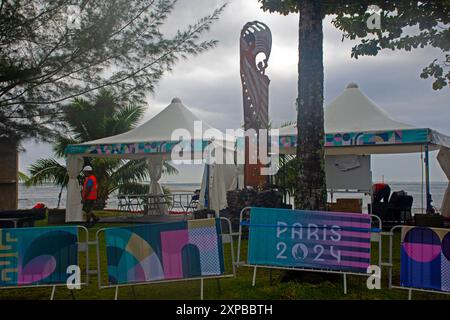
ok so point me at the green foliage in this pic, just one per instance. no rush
(22, 176)
(45, 60)
(281, 6)
(89, 121)
(47, 171)
(405, 25)
(286, 177)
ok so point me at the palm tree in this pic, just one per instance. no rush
(87, 121)
(48, 171)
(286, 176)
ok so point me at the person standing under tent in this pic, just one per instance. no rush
(381, 191)
(89, 194)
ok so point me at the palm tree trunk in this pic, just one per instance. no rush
(59, 196)
(311, 185)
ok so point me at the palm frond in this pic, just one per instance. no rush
(59, 147)
(125, 119)
(131, 171)
(286, 177)
(76, 115)
(22, 176)
(287, 124)
(47, 171)
(169, 169)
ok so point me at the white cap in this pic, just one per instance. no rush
(87, 168)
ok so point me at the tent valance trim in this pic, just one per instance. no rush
(367, 138)
(141, 148)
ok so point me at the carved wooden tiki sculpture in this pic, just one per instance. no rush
(255, 47)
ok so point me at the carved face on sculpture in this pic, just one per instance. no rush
(255, 46)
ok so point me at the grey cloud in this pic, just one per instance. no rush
(210, 83)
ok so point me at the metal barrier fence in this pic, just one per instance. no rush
(40, 257)
(375, 236)
(418, 253)
(194, 238)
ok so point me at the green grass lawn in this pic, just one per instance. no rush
(239, 287)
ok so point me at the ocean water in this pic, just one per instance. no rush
(414, 189)
(48, 194)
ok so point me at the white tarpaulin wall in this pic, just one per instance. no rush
(222, 178)
(219, 177)
(73, 203)
(348, 172)
(158, 131)
(155, 168)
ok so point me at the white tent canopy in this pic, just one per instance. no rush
(367, 128)
(355, 125)
(154, 140)
(159, 128)
(352, 111)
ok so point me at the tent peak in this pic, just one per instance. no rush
(176, 100)
(352, 85)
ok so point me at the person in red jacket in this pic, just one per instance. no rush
(89, 194)
(381, 191)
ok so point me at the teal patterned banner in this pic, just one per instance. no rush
(309, 239)
(134, 148)
(37, 256)
(410, 136)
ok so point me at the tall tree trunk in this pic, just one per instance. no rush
(311, 190)
(8, 175)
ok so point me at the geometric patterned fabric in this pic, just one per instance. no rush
(164, 251)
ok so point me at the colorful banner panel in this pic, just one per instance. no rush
(37, 256)
(425, 258)
(136, 148)
(367, 138)
(310, 239)
(165, 251)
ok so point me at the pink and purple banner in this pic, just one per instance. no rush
(309, 239)
(425, 258)
(164, 251)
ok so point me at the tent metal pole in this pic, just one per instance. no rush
(427, 180)
(422, 178)
(207, 187)
(283, 177)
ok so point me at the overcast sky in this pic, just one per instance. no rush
(210, 86)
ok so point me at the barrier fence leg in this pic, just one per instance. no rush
(201, 289)
(380, 250)
(116, 295)
(391, 236)
(254, 277)
(345, 283)
(270, 277)
(72, 294)
(134, 293)
(409, 294)
(52, 296)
